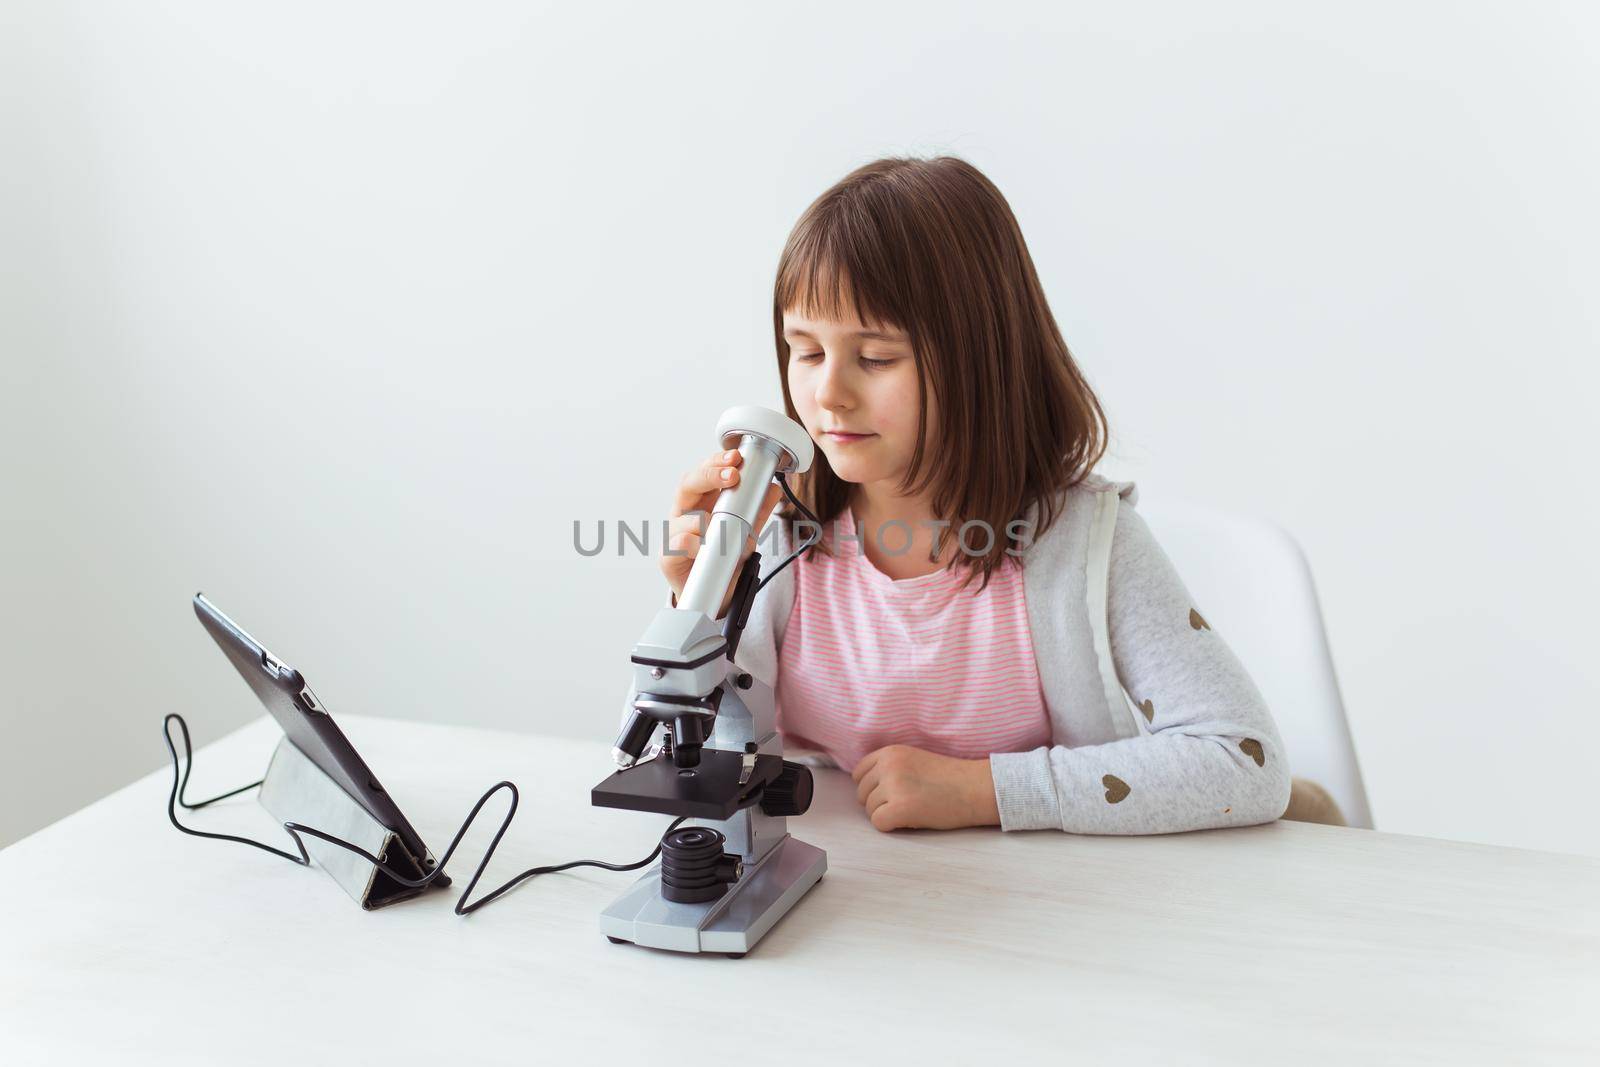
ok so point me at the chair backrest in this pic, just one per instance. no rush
(1253, 584)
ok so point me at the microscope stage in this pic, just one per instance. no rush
(709, 791)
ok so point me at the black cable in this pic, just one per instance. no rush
(180, 786)
(784, 482)
(180, 783)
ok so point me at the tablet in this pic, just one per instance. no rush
(308, 725)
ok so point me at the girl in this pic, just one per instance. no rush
(986, 633)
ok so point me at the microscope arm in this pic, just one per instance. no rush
(683, 657)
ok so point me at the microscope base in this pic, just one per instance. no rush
(732, 923)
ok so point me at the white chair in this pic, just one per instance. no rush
(1251, 581)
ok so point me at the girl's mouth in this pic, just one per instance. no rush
(846, 438)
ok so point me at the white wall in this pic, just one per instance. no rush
(344, 313)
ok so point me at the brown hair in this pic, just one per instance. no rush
(931, 246)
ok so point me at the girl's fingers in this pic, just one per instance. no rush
(695, 521)
(712, 476)
(683, 545)
(866, 763)
(684, 533)
(869, 782)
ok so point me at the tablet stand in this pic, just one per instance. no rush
(296, 790)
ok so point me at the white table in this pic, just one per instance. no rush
(124, 941)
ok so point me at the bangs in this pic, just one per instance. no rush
(833, 270)
(930, 247)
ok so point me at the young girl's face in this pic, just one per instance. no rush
(855, 388)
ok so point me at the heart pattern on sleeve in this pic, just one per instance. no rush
(1116, 789)
(1198, 621)
(1252, 748)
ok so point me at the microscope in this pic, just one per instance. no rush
(719, 886)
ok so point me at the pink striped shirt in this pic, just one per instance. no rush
(868, 660)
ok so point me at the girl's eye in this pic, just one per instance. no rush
(870, 364)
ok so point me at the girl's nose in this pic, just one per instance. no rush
(832, 392)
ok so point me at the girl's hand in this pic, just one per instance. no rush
(691, 510)
(906, 787)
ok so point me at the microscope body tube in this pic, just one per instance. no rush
(733, 518)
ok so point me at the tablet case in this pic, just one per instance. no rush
(296, 790)
(318, 779)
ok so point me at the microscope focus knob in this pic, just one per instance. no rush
(789, 793)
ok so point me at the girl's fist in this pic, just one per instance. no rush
(906, 787)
